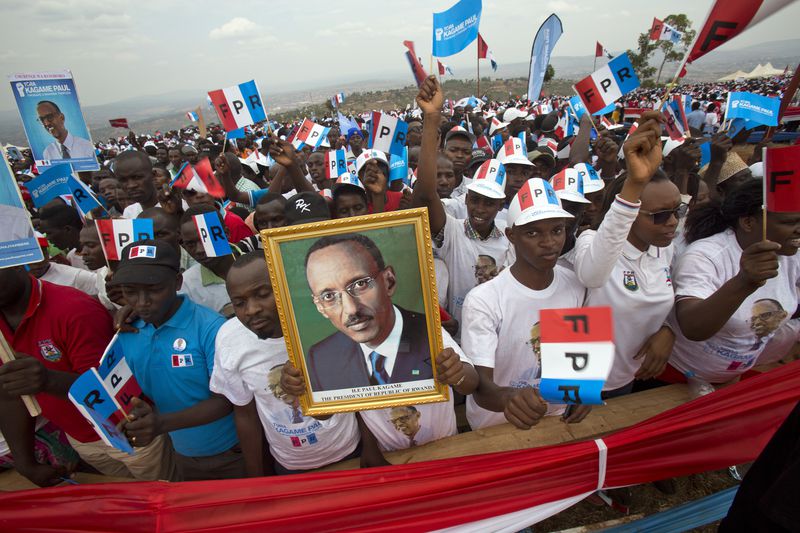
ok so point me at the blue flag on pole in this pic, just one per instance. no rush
(543, 44)
(456, 28)
(398, 166)
(753, 107)
(58, 180)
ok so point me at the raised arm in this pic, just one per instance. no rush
(430, 99)
(579, 153)
(224, 176)
(284, 154)
(597, 253)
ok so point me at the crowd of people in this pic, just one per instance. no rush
(607, 216)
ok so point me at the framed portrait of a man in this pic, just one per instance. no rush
(358, 307)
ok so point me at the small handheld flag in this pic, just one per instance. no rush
(199, 178)
(387, 133)
(398, 166)
(661, 31)
(309, 133)
(782, 179)
(577, 354)
(116, 234)
(191, 115)
(238, 106)
(212, 234)
(413, 61)
(608, 84)
(335, 164)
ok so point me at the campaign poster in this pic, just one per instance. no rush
(18, 244)
(51, 116)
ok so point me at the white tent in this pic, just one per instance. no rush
(763, 71)
(735, 76)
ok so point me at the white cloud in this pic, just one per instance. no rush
(236, 27)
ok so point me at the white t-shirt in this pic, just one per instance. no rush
(635, 284)
(214, 296)
(244, 367)
(398, 428)
(460, 253)
(83, 280)
(500, 331)
(442, 280)
(703, 268)
(133, 210)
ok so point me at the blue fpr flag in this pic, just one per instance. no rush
(212, 234)
(577, 107)
(753, 107)
(89, 394)
(456, 28)
(543, 44)
(58, 180)
(398, 166)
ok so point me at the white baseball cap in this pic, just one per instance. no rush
(512, 113)
(513, 153)
(569, 186)
(592, 182)
(496, 125)
(535, 200)
(490, 180)
(366, 155)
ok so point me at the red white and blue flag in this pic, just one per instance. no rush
(337, 99)
(191, 115)
(608, 84)
(577, 348)
(238, 106)
(413, 61)
(675, 122)
(485, 53)
(199, 178)
(335, 164)
(309, 133)
(115, 234)
(387, 134)
(212, 234)
(661, 31)
(444, 69)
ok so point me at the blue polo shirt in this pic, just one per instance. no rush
(173, 365)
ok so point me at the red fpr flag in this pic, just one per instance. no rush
(483, 48)
(441, 68)
(726, 20)
(598, 50)
(119, 123)
(782, 179)
(413, 61)
(199, 178)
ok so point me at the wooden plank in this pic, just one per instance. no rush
(616, 414)
(11, 480)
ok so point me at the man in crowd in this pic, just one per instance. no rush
(134, 171)
(171, 355)
(62, 226)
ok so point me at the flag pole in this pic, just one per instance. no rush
(478, 65)
(764, 196)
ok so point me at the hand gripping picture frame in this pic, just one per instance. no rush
(358, 306)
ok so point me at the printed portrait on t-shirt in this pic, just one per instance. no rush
(766, 316)
(485, 268)
(406, 420)
(536, 346)
(295, 416)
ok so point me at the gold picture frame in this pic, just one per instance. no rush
(334, 364)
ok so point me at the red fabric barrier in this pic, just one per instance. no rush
(728, 427)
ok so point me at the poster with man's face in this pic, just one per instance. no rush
(53, 121)
(365, 320)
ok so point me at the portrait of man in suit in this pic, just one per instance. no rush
(376, 342)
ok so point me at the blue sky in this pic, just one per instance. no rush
(120, 49)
